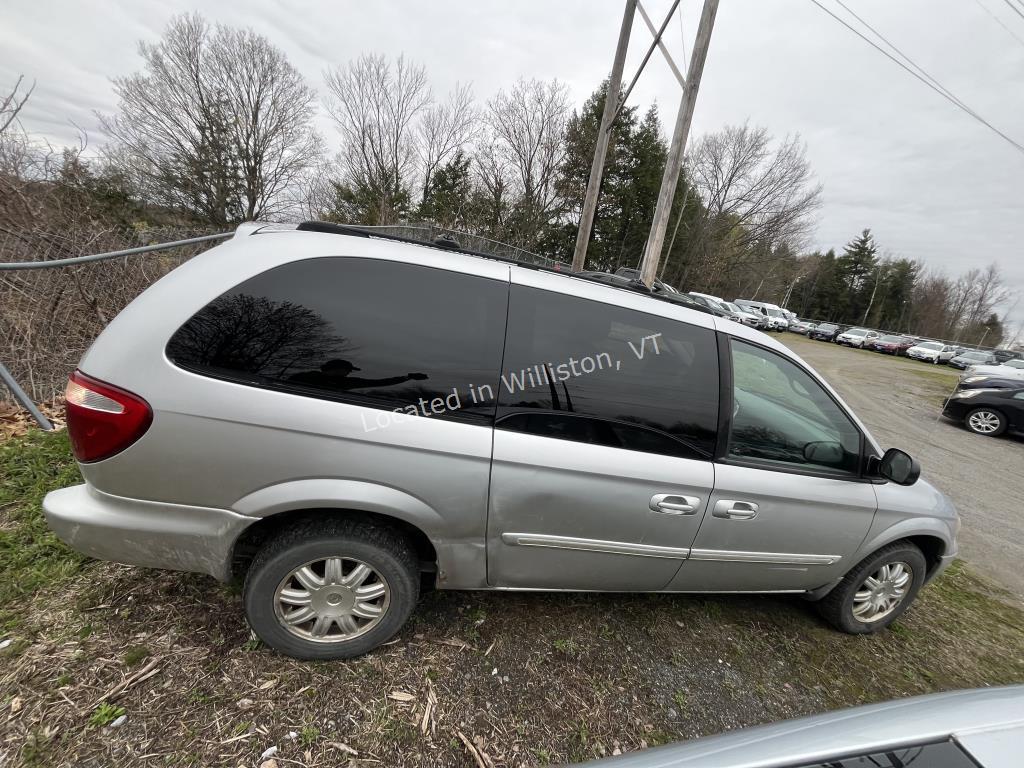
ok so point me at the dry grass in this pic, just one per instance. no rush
(475, 678)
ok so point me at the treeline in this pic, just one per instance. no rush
(218, 127)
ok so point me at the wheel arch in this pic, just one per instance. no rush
(932, 545)
(279, 506)
(253, 537)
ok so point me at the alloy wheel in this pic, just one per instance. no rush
(985, 422)
(331, 599)
(882, 592)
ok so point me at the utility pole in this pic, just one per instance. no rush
(611, 105)
(656, 239)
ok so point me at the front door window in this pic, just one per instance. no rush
(784, 419)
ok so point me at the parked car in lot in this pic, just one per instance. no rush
(973, 357)
(775, 318)
(980, 728)
(802, 326)
(1011, 369)
(660, 291)
(932, 352)
(989, 382)
(727, 308)
(825, 332)
(716, 307)
(1005, 355)
(891, 344)
(857, 337)
(987, 411)
(747, 318)
(339, 416)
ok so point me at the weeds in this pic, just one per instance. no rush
(105, 714)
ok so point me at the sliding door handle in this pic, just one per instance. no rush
(735, 510)
(670, 504)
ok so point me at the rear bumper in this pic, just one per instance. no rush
(147, 533)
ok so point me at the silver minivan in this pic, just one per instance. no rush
(341, 418)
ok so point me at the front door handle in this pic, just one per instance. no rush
(671, 504)
(735, 510)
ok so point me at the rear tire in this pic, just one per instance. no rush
(331, 589)
(985, 421)
(877, 591)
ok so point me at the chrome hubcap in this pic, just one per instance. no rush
(984, 421)
(331, 599)
(882, 592)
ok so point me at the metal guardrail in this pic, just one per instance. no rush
(5, 376)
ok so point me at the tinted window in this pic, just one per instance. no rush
(592, 372)
(945, 754)
(783, 416)
(376, 333)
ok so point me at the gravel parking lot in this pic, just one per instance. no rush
(900, 401)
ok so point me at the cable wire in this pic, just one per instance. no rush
(941, 91)
(999, 22)
(1015, 8)
(900, 53)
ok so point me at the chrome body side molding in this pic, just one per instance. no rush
(593, 545)
(783, 558)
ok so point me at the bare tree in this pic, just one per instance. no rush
(11, 105)
(445, 129)
(218, 123)
(527, 124)
(757, 197)
(376, 108)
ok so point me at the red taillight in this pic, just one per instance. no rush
(102, 419)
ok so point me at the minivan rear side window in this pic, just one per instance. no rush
(591, 372)
(371, 332)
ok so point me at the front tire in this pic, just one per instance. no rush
(331, 589)
(877, 591)
(985, 421)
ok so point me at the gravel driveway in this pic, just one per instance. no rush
(900, 400)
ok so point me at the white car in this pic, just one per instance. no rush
(932, 352)
(857, 337)
(1011, 369)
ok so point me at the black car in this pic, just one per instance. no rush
(989, 382)
(825, 332)
(973, 357)
(1003, 355)
(988, 411)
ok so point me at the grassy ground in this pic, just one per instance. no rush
(517, 679)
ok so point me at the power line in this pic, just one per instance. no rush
(1015, 8)
(999, 22)
(898, 52)
(941, 91)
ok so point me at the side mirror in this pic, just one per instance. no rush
(823, 452)
(899, 467)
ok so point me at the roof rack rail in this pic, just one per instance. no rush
(449, 243)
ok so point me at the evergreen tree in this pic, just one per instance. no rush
(446, 199)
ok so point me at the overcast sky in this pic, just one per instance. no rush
(931, 182)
